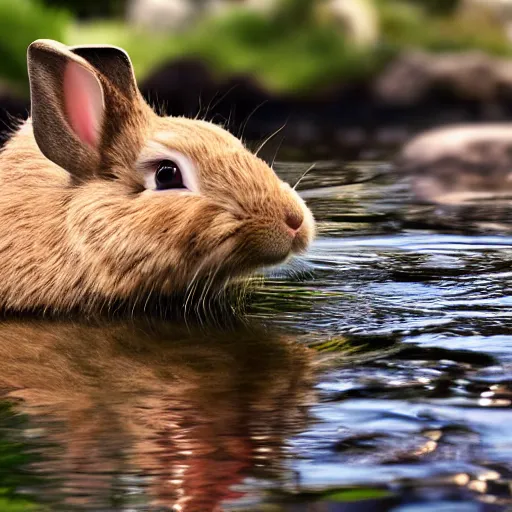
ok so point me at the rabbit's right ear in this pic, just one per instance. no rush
(68, 107)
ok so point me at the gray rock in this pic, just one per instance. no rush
(458, 163)
(469, 75)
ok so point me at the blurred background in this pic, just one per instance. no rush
(352, 78)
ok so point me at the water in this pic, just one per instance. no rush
(373, 375)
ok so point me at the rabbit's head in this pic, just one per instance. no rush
(157, 202)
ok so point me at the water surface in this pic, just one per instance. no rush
(374, 374)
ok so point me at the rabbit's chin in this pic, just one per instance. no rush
(246, 260)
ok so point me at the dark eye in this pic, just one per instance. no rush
(168, 175)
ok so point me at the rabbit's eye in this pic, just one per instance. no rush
(165, 169)
(168, 175)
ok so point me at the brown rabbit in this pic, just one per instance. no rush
(104, 201)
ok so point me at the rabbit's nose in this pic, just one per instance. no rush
(294, 220)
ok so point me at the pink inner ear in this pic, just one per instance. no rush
(83, 101)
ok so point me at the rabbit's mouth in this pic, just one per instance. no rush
(255, 246)
(252, 245)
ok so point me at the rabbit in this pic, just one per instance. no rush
(103, 201)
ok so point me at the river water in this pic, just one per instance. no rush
(374, 374)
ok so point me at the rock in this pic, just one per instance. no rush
(473, 143)
(460, 161)
(405, 80)
(472, 75)
(468, 75)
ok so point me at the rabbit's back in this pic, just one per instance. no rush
(33, 199)
(23, 166)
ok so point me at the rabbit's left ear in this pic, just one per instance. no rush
(87, 114)
(68, 107)
(114, 64)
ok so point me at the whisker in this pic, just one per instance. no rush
(202, 116)
(148, 297)
(12, 125)
(224, 121)
(230, 90)
(209, 284)
(199, 106)
(188, 293)
(270, 137)
(200, 305)
(135, 302)
(276, 152)
(244, 125)
(303, 175)
(231, 114)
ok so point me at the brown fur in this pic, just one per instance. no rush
(86, 232)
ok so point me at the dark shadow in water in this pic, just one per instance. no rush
(132, 413)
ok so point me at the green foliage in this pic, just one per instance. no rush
(342, 495)
(17, 505)
(21, 22)
(406, 24)
(289, 50)
(147, 51)
(294, 13)
(352, 495)
(283, 56)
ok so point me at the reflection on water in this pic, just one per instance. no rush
(130, 414)
(373, 375)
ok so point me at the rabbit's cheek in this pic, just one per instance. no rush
(263, 244)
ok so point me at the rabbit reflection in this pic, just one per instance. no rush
(193, 412)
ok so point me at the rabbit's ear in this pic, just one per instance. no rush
(68, 107)
(114, 64)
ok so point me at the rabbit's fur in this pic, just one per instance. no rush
(79, 225)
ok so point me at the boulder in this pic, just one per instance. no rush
(460, 161)
(468, 75)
